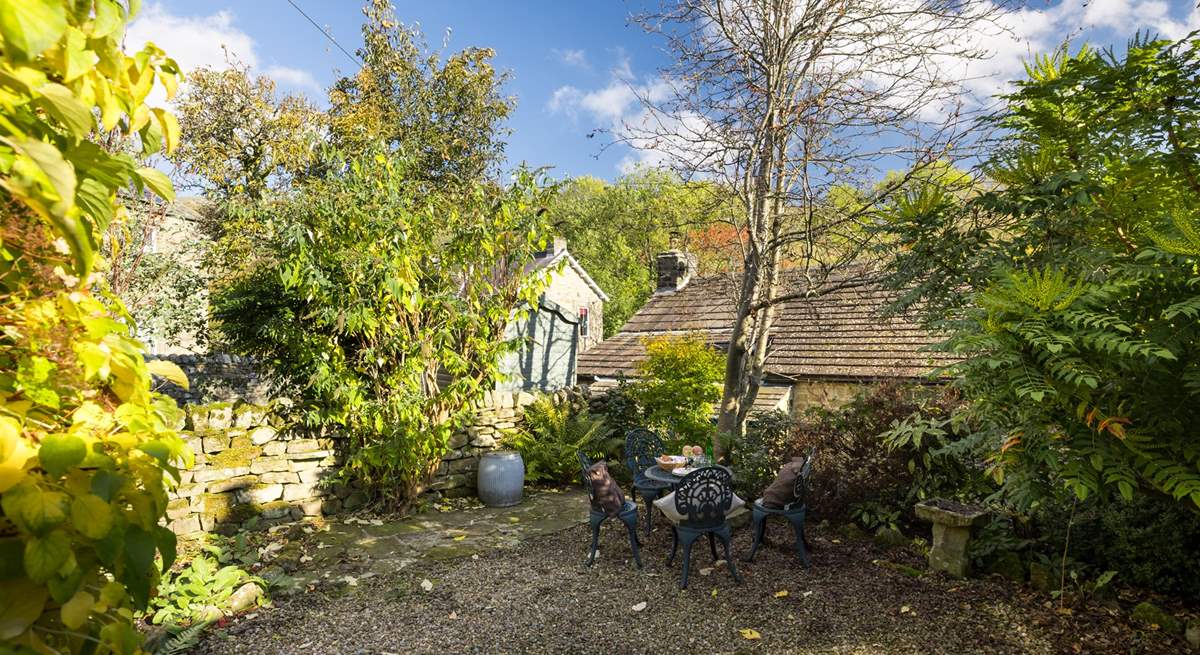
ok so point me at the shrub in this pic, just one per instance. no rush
(678, 385)
(385, 305)
(86, 448)
(553, 433)
(856, 465)
(1150, 544)
(190, 593)
(769, 444)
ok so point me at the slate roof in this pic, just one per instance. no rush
(841, 334)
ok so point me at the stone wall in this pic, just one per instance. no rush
(248, 467)
(216, 377)
(497, 413)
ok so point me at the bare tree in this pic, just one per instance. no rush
(797, 109)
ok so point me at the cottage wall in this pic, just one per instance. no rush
(569, 290)
(807, 394)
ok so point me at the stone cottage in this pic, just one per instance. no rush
(822, 349)
(568, 321)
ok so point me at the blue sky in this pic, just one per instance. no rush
(573, 63)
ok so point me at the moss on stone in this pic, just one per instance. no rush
(240, 453)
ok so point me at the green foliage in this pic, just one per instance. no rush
(768, 445)
(87, 451)
(187, 594)
(177, 640)
(552, 434)
(443, 113)
(1150, 544)
(678, 383)
(616, 230)
(886, 447)
(874, 515)
(384, 307)
(1070, 288)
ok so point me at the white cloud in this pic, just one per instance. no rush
(210, 41)
(294, 77)
(575, 58)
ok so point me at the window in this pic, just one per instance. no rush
(583, 321)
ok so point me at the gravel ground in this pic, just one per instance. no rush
(539, 598)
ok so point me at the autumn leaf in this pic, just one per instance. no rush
(749, 633)
(781, 594)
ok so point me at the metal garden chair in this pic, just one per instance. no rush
(597, 516)
(703, 501)
(642, 447)
(795, 512)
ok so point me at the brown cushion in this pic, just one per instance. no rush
(606, 493)
(781, 492)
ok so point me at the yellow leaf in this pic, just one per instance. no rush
(169, 371)
(14, 453)
(460, 537)
(170, 128)
(714, 593)
(781, 594)
(749, 633)
(75, 611)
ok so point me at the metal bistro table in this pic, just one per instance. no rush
(659, 475)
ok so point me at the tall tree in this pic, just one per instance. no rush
(615, 230)
(781, 101)
(239, 137)
(445, 115)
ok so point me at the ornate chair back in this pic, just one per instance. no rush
(641, 448)
(704, 496)
(584, 465)
(800, 486)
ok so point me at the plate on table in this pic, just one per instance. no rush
(683, 470)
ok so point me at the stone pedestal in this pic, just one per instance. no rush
(952, 524)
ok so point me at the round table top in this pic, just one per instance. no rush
(659, 475)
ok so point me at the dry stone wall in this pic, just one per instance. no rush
(248, 466)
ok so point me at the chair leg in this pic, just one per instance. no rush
(687, 559)
(631, 525)
(712, 546)
(725, 539)
(674, 545)
(649, 497)
(595, 540)
(798, 528)
(760, 532)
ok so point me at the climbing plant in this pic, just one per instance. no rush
(86, 448)
(1072, 287)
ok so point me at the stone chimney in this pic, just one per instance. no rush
(675, 270)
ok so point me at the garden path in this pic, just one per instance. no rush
(351, 548)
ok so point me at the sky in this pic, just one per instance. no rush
(574, 64)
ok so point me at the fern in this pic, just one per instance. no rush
(176, 640)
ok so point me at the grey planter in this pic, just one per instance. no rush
(501, 479)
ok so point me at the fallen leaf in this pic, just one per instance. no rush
(706, 571)
(426, 585)
(350, 580)
(905, 609)
(475, 557)
(460, 537)
(806, 594)
(453, 615)
(714, 593)
(749, 633)
(781, 594)
(639, 607)
(514, 519)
